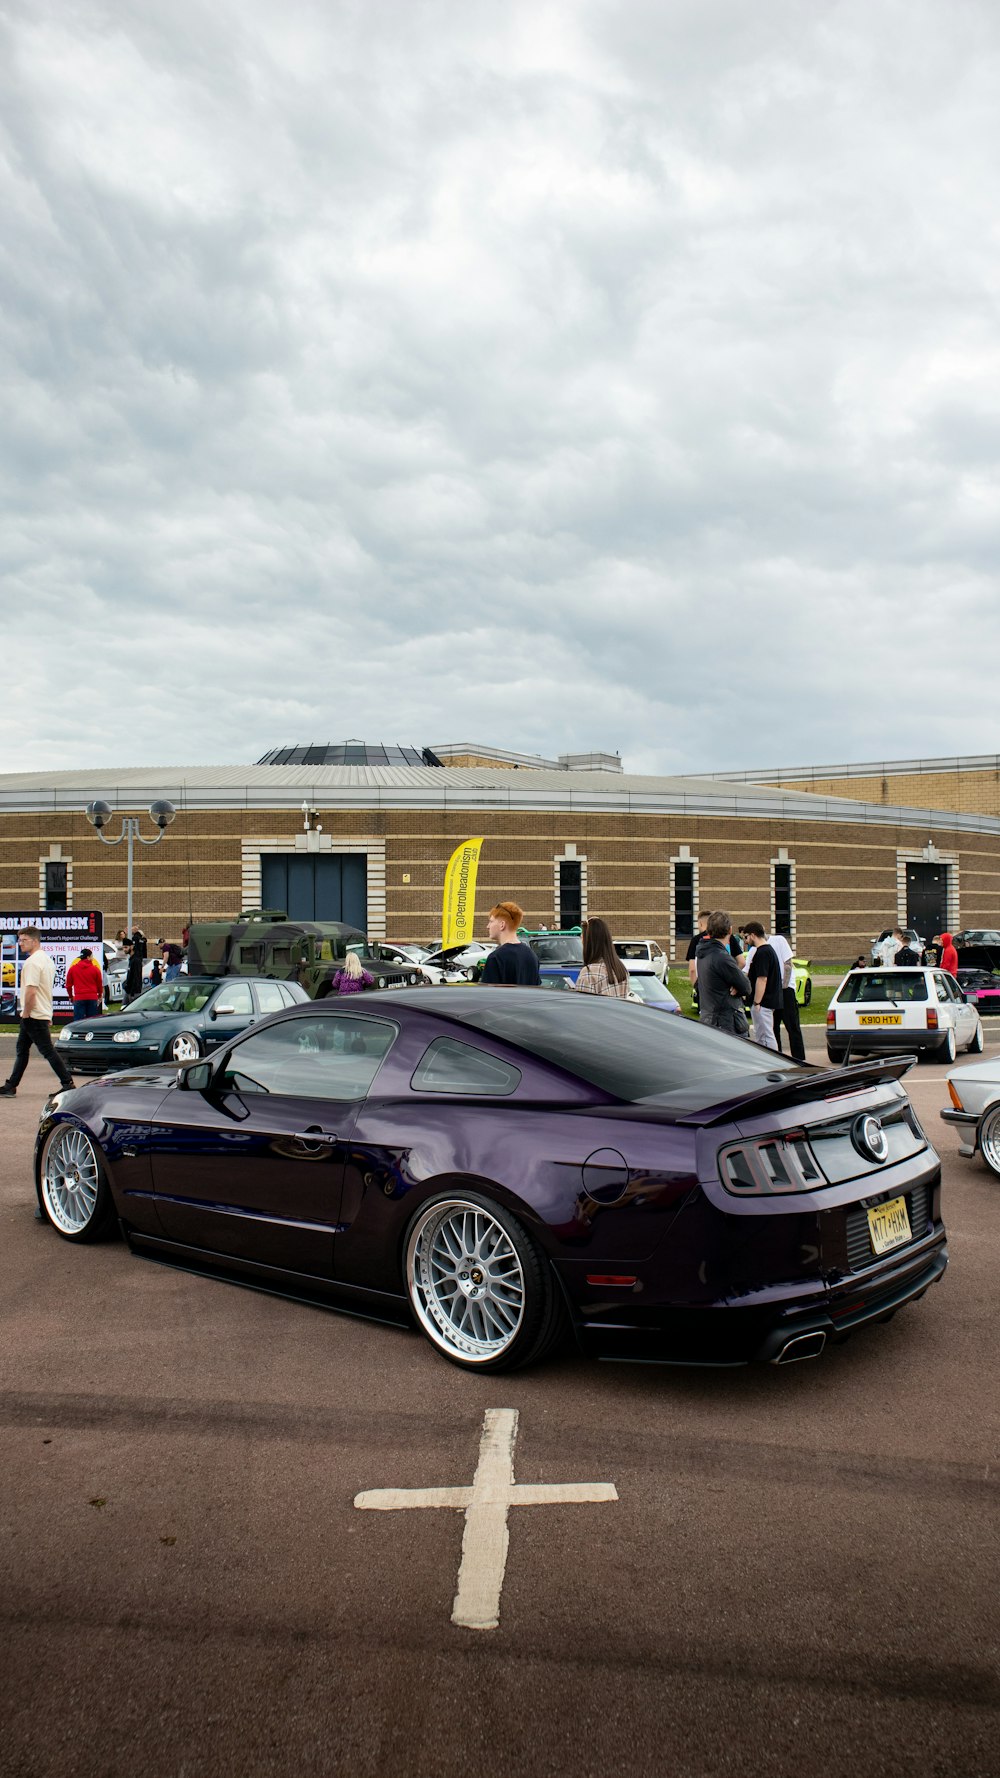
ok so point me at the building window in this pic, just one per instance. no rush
(570, 892)
(781, 895)
(683, 901)
(56, 886)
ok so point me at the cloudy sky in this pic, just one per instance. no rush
(615, 374)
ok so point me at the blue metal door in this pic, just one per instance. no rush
(330, 886)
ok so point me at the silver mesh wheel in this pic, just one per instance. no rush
(465, 1281)
(989, 1139)
(71, 1179)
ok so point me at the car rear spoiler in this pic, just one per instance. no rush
(819, 1083)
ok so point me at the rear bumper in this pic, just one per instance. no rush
(747, 1332)
(960, 1117)
(884, 1042)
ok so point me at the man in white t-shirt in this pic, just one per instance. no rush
(789, 1014)
(38, 975)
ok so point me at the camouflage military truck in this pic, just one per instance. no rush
(264, 941)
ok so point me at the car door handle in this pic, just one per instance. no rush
(315, 1135)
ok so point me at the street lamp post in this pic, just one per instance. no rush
(99, 814)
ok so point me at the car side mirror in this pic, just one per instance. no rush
(196, 1077)
(222, 1007)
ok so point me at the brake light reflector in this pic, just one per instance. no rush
(621, 1280)
(932, 1018)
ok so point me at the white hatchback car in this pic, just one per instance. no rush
(975, 1107)
(645, 953)
(887, 1011)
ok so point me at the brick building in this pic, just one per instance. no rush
(368, 840)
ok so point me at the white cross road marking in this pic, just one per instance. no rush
(493, 1492)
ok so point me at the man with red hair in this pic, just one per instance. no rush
(512, 964)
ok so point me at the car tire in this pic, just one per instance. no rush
(184, 1047)
(505, 1318)
(988, 1138)
(949, 1048)
(978, 1042)
(73, 1185)
(807, 992)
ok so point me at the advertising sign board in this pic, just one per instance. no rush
(63, 937)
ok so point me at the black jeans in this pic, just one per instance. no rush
(789, 1016)
(36, 1031)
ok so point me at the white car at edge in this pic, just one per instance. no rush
(975, 1109)
(896, 1011)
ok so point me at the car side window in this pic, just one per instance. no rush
(270, 997)
(944, 988)
(236, 995)
(450, 1067)
(335, 1057)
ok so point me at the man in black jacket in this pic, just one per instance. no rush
(722, 986)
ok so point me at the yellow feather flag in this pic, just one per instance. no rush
(459, 911)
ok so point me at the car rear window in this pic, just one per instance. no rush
(451, 1067)
(632, 1053)
(897, 985)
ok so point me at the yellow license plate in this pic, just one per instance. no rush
(880, 1018)
(889, 1225)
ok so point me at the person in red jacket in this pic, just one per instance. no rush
(949, 955)
(85, 986)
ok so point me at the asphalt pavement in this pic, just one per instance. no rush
(795, 1571)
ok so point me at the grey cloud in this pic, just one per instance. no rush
(583, 377)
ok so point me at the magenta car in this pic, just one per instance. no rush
(500, 1166)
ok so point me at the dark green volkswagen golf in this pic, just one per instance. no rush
(176, 1022)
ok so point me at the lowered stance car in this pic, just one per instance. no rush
(647, 986)
(497, 1164)
(914, 1011)
(974, 1092)
(176, 1022)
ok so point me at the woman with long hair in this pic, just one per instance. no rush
(603, 971)
(353, 978)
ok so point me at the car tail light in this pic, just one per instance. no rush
(956, 1101)
(932, 1018)
(773, 1164)
(831, 1017)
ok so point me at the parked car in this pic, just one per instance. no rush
(458, 963)
(646, 985)
(558, 953)
(977, 935)
(176, 1022)
(493, 1166)
(644, 951)
(422, 957)
(909, 937)
(975, 1108)
(802, 980)
(981, 989)
(885, 1011)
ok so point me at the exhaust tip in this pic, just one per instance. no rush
(807, 1345)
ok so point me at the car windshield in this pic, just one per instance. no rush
(617, 1047)
(561, 947)
(897, 985)
(626, 948)
(176, 996)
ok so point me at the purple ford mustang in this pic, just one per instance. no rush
(497, 1164)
